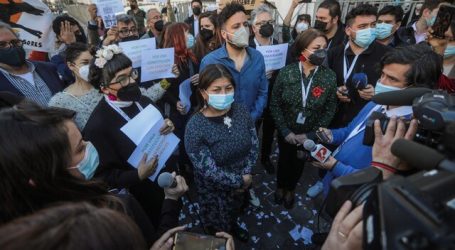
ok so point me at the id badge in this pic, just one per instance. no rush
(301, 118)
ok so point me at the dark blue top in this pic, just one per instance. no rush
(251, 86)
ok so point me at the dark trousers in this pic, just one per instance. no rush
(290, 168)
(268, 129)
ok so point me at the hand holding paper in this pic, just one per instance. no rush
(147, 168)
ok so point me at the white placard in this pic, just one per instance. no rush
(32, 20)
(108, 9)
(137, 128)
(154, 144)
(133, 49)
(274, 55)
(157, 64)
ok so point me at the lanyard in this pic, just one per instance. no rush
(121, 112)
(346, 72)
(359, 128)
(306, 91)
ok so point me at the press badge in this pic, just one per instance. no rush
(301, 118)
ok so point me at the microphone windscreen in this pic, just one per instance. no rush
(417, 155)
(359, 80)
(165, 180)
(309, 145)
(403, 97)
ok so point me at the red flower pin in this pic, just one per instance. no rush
(317, 92)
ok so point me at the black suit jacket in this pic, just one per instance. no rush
(190, 22)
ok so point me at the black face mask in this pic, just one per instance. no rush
(266, 30)
(319, 25)
(206, 34)
(159, 25)
(130, 93)
(196, 11)
(318, 57)
(14, 56)
(130, 38)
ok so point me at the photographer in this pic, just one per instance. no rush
(415, 65)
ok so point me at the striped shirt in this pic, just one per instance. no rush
(38, 91)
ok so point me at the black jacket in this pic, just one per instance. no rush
(338, 39)
(368, 63)
(190, 22)
(406, 34)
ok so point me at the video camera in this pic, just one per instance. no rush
(415, 211)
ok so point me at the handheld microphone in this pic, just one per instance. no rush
(359, 81)
(166, 180)
(404, 97)
(317, 151)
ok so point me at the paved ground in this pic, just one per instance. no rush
(270, 225)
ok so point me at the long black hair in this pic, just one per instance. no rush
(210, 74)
(35, 153)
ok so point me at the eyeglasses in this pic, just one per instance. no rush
(126, 32)
(126, 80)
(12, 43)
(265, 22)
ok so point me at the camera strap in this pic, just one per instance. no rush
(346, 72)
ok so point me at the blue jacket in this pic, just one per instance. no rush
(352, 155)
(251, 85)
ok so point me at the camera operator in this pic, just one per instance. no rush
(415, 65)
(346, 231)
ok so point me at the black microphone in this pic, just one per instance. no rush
(359, 80)
(166, 180)
(403, 97)
(417, 155)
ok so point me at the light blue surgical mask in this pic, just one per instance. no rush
(431, 21)
(381, 88)
(365, 37)
(90, 163)
(189, 41)
(221, 101)
(450, 51)
(383, 30)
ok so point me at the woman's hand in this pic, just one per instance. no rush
(66, 33)
(181, 108)
(175, 70)
(178, 191)
(195, 79)
(328, 134)
(229, 240)
(247, 180)
(342, 94)
(166, 241)
(167, 127)
(291, 138)
(112, 36)
(147, 168)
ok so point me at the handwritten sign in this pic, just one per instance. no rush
(274, 55)
(108, 9)
(157, 64)
(134, 49)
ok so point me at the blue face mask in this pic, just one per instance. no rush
(91, 160)
(189, 41)
(221, 101)
(450, 51)
(365, 37)
(431, 21)
(381, 88)
(383, 30)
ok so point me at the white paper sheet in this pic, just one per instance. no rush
(138, 127)
(157, 64)
(274, 55)
(134, 49)
(107, 9)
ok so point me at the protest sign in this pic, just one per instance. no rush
(157, 64)
(108, 9)
(134, 49)
(274, 55)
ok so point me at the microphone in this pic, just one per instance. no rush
(317, 151)
(166, 180)
(417, 155)
(404, 97)
(359, 81)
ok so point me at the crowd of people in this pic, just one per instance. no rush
(65, 179)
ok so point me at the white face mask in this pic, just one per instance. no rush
(240, 38)
(300, 27)
(83, 72)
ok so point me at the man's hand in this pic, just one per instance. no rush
(167, 127)
(66, 33)
(346, 232)
(176, 192)
(147, 168)
(342, 94)
(247, 180)
(383, 143)
(166, 241)
(92, 11)
(112, 36)
(367, 93)
(301, 138)
(327, 133)
(291, 138)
